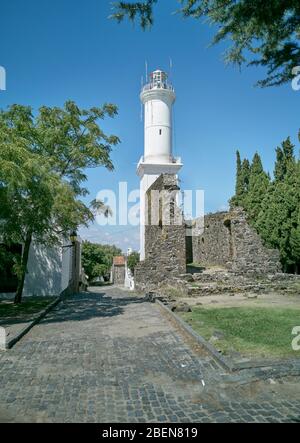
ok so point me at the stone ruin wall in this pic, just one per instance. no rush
(165, 248)
(213, 247)
(228, 240)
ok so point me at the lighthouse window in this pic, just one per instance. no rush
(160, 131)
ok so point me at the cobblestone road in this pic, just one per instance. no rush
(107, 356)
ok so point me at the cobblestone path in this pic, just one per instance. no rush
(107, 356)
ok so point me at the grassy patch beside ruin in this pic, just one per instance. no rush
(252, 332)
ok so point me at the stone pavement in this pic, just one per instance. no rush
(107, 356)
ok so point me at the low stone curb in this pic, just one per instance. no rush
(224, 362)
(255, 369)
(12, 341)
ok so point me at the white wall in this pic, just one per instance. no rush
(49, 270)
(66, 272)
(158, 131)
(44, 276)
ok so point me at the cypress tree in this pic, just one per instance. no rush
(242, 181)
(234, 201)
(279, 165)
(294, 183)
(285, 159)
(278, 222)
(295, 242)
(259, 183)
(273, 207)
(266, 223)
(246, 175)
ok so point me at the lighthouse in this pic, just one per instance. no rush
(158, 97)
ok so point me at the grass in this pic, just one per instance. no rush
(24, 311)
(253, 332)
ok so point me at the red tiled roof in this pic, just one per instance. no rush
(119, 260)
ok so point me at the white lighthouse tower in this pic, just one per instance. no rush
(157, 96)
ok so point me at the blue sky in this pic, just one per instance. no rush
(55, 50)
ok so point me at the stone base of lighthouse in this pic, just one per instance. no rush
(165, 242)
(148, 173)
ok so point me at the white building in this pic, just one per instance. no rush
(158, 97)
(50, 271)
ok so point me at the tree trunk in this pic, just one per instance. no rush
(18, 296)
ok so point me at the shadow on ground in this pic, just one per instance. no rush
(88, 305)
(12, 314)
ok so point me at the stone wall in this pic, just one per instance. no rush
(119, 275)
(214, 246)
(165, 243)
(228, 240)
(250, 254)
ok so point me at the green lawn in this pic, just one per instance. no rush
(255, 332)
(28, 308)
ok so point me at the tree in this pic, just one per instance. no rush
(69, 139)
(239, 186)
(41, 205)
(278, 222)
(295, 237)
(246, 170)
(41, 173)
(263, 33)
(132, 260)
(285, 159)
(97, 259)
(273, 207)
(242, 181)
(259, 183)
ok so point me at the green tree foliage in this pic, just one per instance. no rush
(69, 139)
(258, 186)
(242, 181)
(246, 170)
(97, 259)
(273, 207)
(132, 260)
(285, 160)
(42, 170)
(8, 258)
(278, 222)
(239, 187)
(264, 33)
(41, 205)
